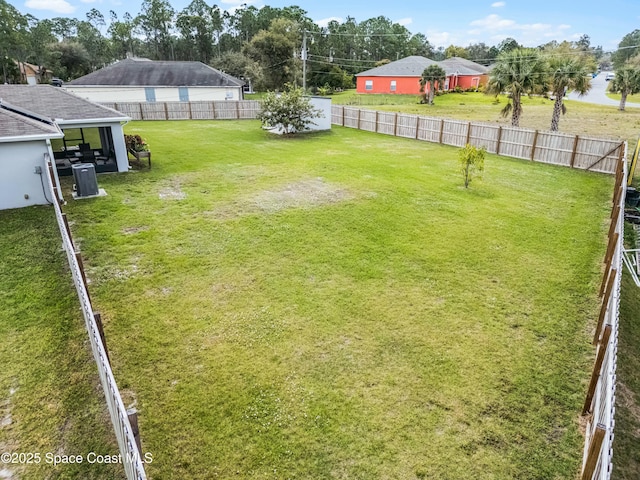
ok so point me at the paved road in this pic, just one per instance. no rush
(597, 93)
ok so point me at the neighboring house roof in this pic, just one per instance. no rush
(56, 103)
(413, 66)
(462, 66)
(30, 69)
(147, 73)
(17, 126)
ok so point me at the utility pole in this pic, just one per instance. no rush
(304, 61)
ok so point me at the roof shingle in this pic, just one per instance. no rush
(56, 103)
(143, 72)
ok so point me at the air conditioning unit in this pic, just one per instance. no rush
(84, 175)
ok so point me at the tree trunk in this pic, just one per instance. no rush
(517, 111)
(623, 100)
(432, 88)
(557, 110)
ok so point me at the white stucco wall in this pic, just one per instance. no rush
(18, 161)
(163, 94)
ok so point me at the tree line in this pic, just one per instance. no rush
(263, 46)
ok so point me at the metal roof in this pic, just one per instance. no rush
(413, 66)
(142, 72)
(56, 103)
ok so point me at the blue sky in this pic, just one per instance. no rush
(458, 22)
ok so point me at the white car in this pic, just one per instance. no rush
(609, 76)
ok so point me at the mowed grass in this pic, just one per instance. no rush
(337, 305)
(50, 399)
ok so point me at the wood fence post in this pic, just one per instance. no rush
(359, 112)
(166, 111)
(213, 108)
(604, 306)
(395, 126)
(418, 127)
(141, 112)
(611, 247)
(132, 414)
(498, 140)
(574, 151)
(441, 129)
(468, 133)
(617, 195)
(602, 350)
(68, 229)
(100, 326)
(82, 274)
(376, 124)
(535, 142)
(342, 115)
(190, 114)
(594, 452)
(237, 110)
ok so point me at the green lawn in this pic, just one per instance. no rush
(338, 306)
(50, 399)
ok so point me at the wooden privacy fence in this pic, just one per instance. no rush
(125, 422)
(213, 110)
(596, 154)
(599, 405)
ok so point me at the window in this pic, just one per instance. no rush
(393, 86)
(150, 94)
(368, 85)
(184, 94)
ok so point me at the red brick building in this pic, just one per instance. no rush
(403, 76)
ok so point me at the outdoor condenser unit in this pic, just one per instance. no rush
(84, 175)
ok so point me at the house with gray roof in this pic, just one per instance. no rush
(25, 145)
(403, 76)
(143, 80)
(73, 129)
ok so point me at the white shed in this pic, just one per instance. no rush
(143, 80)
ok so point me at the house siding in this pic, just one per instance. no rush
(101, 94)
(411, 85)
(18, 161)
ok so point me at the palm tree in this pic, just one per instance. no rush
(521, 71)
(626, 82)
(431, 75)
(566, 74)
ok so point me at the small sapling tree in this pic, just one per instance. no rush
(471, 162)
(289, 111)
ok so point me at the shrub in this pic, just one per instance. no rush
(135, 143)
(471, 161)
(289, 111)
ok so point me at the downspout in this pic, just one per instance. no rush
(55, 170)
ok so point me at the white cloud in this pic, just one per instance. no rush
(325, 21)
(91, 1)
(404, 21)
(440, 38)
(498, 4)
(58, 6)
(492, 22)
(531, 34)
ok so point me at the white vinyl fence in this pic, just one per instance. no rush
(129, 451)
(599, 405)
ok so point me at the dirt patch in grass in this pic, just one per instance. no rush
(173, 191)
(308, 193)
(134, 230)
(305, 193)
